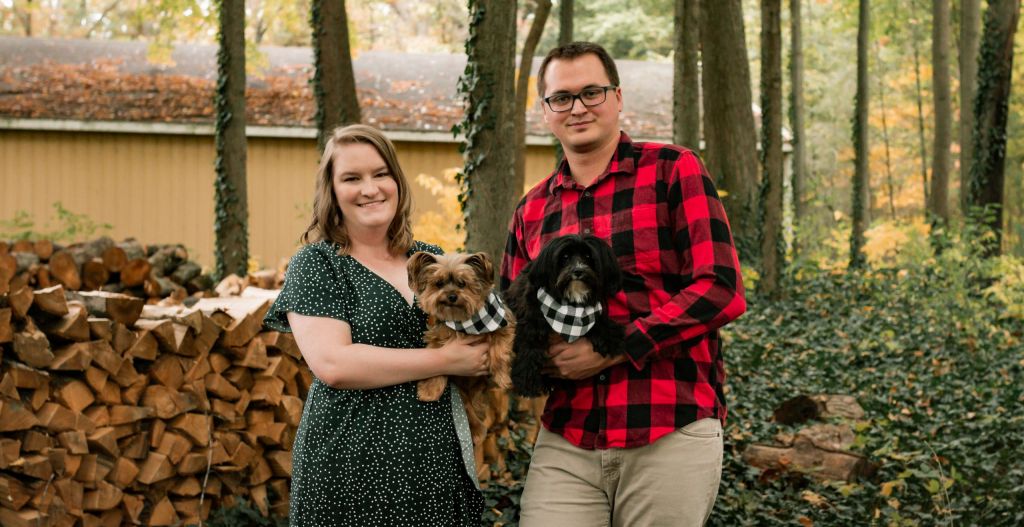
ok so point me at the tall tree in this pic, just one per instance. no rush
(796, 113)
(686, 81)
(334, 82)
(565, 15)
(970, 22)
(938, 204)
(920, 103)
(773, 252)
(861, 177)
(540, 17)
(885, 135)
(488, 128)
(230, 226)
(730, 136)
(991, 105)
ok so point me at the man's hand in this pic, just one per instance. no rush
(577, 360)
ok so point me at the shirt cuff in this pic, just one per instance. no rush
(638, 346)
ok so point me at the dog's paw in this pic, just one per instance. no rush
(431, 389)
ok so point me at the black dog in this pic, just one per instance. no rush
(574, 272)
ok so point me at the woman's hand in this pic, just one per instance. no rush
(466, 356)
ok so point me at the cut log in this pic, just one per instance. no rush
(802, 408)
(94, 274)
(57, 418)
(103, 441)
(196, 427)
(121, 414)
(93, 468)
(6, 273)
(72, 357)
(265, 279)
(166, 402)
(221, 387)
(26, 377)
(144, 347)
(246, 317)
(268, 390)
(135, 272)
(50, 300)
(19, 300)
(167, 258)
(186, 272)
(123, 338)
(124, 472)
(6, 331)
(280, 462)
(117, 307)
(100, 329)
(163, 514)
(283, 342)
(15, 416)
(25, 261)
(65, 270)
(22, 518)
(75, 395)
(253, 355)
(114, 259)
(105, 497)
(167, 371)
(806, 458)
(74, 441)
(156, 468)
(73, 326)
(203, 282)
(190, 317)
(43, 249)
(35, 466)
(174, 446)
(133, 507)
(193, 463)
(32, 347)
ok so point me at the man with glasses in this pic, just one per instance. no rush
(635, 439)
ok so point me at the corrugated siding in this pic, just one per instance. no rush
(159, 188)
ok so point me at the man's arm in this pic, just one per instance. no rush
(714, 296)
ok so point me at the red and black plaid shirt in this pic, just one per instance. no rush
(657, 206)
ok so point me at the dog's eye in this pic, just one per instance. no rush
(439, 283)
(460, 283)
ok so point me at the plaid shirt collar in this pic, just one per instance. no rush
(622, 162)
(571, 322)
(491, 317)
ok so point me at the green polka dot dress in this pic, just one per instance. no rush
(373, 457)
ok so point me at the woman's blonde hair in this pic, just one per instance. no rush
(327, 222)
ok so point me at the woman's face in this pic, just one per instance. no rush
(367, 193)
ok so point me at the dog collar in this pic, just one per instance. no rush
(490, 317)
(571, 322)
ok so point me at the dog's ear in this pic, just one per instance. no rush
(545, 266)
(482, 266)
(418, 263)
(607, 266)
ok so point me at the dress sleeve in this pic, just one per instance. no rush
(312, 286)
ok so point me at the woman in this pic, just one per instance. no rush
(367, 452)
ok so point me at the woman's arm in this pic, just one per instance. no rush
(326, 344)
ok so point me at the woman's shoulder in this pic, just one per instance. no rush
(316, 257)
(419, 246)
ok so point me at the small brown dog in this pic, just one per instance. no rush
(456, 293)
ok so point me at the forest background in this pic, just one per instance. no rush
(926, 334)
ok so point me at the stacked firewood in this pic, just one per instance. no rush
(113, 412)
(144, 271)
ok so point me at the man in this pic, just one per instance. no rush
(633, 440)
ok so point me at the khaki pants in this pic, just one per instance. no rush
(672, 482)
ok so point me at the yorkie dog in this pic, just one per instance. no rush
(456, 292)
(563, 294)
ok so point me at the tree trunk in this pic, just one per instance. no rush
(565, 14)
(231, 203)
(686, 81)
(796, 109)
(334, 84)
(920, 109)
(970, 18)
(861, 176)
(991, 106)
(489, 196)
(938, 204)
(730, 137)
(540, 17)
(885, 137)
(773, 251)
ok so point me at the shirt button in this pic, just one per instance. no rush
(586, 231)
(586, 193)
(602, 377)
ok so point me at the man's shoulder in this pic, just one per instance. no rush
(538, 193)
(664, 151)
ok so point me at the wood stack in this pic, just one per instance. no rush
(149, 272)
(821, 451)
(113, 412)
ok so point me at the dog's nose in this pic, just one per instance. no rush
(577, 274)
(452, 297)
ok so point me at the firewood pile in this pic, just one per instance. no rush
(144, 271)
(114, 412)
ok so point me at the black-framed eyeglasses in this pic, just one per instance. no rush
(589, 96)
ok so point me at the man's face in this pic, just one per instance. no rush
(582, 129)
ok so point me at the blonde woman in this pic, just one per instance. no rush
(367, 452)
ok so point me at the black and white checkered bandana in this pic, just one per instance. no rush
(490, 318)
(572, 322)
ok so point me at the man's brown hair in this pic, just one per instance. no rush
(574, 50)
